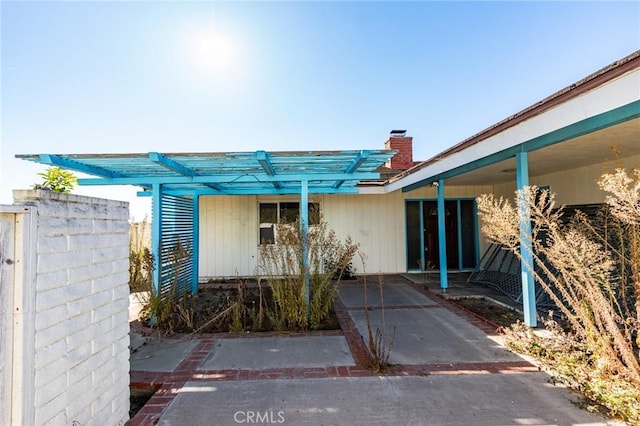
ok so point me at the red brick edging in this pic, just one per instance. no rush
(169, 384)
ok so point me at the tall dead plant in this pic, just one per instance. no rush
(379, 344)
(140, 258)
(172, 308)
(593, 280)
(285, 267)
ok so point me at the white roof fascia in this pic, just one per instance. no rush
(364, 190)
(618, 92)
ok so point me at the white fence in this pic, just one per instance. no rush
(64, 356)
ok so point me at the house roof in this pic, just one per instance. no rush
(584, 111)
(227, 173)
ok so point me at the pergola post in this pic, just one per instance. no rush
(156, 235)
(526, 263)
(304, 231)
(195, 250)
(442, 238)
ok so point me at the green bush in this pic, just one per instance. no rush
(57, 180)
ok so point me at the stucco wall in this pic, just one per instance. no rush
(81, 362)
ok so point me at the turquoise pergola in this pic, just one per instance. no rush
(176, 181)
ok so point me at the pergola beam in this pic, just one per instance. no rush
(65, 163)
(173, 165)
(249, 191)
(170, 164)
(265, 163)
(242, 178)
(355, 163)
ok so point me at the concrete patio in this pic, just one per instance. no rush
(449, 368)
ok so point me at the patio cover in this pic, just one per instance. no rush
(227, 173)
(175, 181)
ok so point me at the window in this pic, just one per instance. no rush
(284, 212)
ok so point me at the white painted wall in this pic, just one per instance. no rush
(376, 222)
(574, 186)
(228, 236)
(229, 228)
(81, 347)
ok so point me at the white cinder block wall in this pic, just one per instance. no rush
(81, 309)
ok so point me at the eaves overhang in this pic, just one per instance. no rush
(605, 99)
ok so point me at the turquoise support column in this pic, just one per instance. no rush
(156, 234)
(459, 226)
(423, 260)
(442, 238)
(304, 231)
(526, 263)
(196, 243)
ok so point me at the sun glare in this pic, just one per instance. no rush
(214, 52)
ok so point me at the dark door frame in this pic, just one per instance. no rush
(421, 264)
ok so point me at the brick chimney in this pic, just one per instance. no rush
(398, 141)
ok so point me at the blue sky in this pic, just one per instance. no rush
(105, 77)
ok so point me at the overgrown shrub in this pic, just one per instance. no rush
(171, 309)
(569, 361)
(140, 259)
(283, 264)
(340, 274)
(248, 316)
(282, 305)
(591, 270)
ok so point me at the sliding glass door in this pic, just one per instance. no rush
(423, 251)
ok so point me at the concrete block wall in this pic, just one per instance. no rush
(81, 309)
